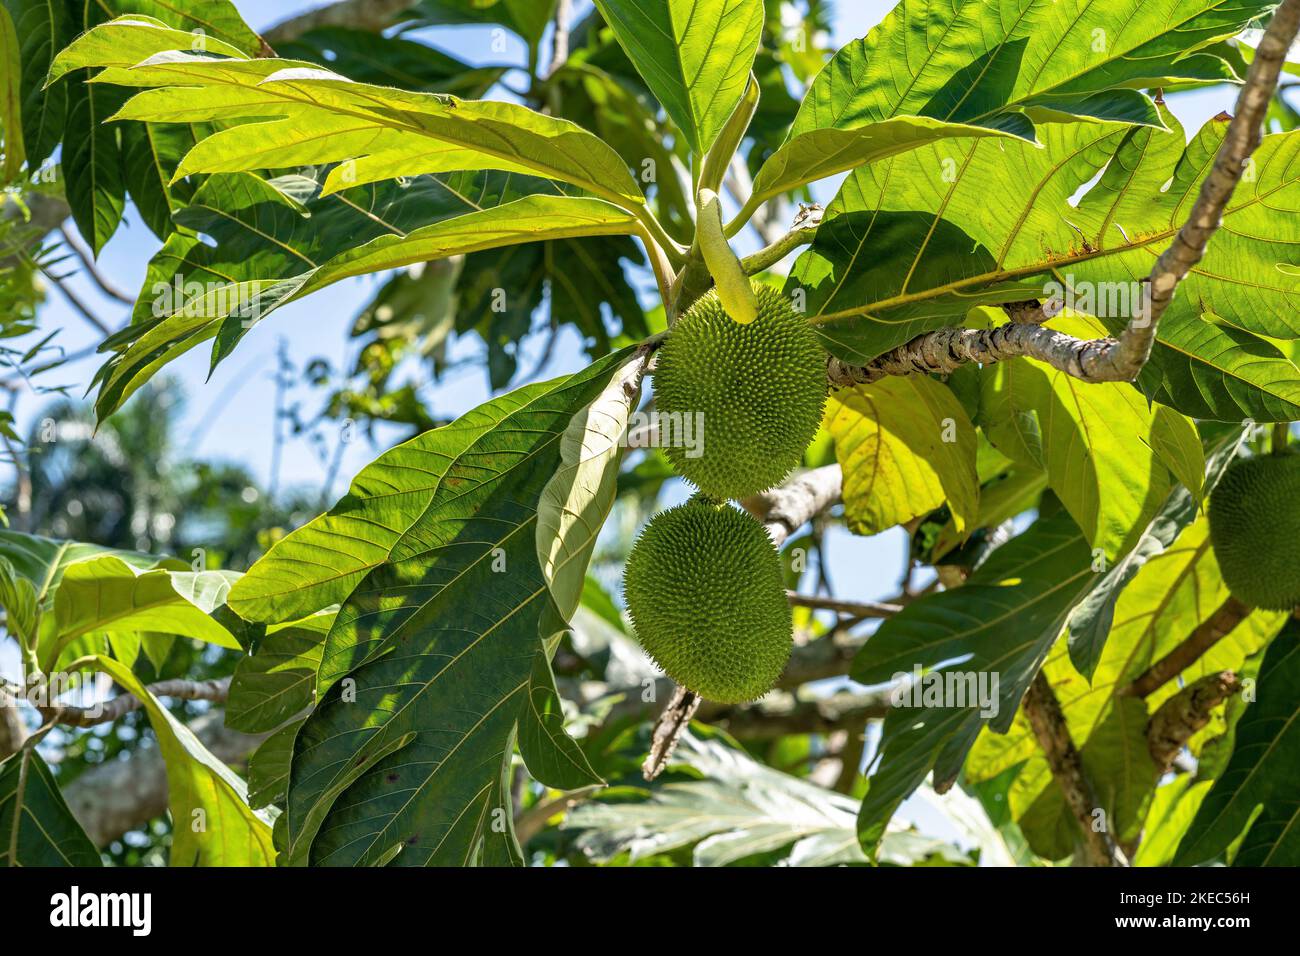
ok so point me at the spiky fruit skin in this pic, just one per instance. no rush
(704, 587)
(760, 388)
(1255, 530)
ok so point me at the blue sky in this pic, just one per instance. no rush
(231, 415)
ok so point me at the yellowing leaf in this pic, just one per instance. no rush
(212, 824)
(906, 447)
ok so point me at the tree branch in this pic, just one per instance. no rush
(668, 731)
(532, 821)
(88, 265)
(44, 213)
(373, 15)
(560, 38)
(1182, 715)
(786, 508)
(802, 233)
(1204, 636)
(851, 609)
(1109, 359)
(782, 714)
(82, 309)
(12, 729)
(213, 690)
(1053, 735)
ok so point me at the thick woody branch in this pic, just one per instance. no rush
(947, 350)
(786, 508)
(1110, 359)
(1182, 715)
(1053, 735)
(1206, 634)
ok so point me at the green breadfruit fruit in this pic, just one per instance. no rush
(758, 389)
(703, 585)
(1255, 530)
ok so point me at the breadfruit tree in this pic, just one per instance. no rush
(1035, 323)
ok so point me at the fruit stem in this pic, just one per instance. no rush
(663, 270)
(1281, 436)
(668, 731)
(675, 252)
(734, 288)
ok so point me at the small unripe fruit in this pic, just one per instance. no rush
(759, 389)
(704, 587)
(1255, 530)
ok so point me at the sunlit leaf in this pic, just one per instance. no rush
(694, 54)
(212, 822)
(906, 447)
(1017, 64)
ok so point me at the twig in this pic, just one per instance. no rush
(770, 255)
(1182, 715)
(548, 351)
(92, 270)
(1205, 635)
(532, 821)
(77, 304)
(852, 609)
(282, 382)
(560, 38)
(1053, 735)
(42, 215)
(212, 690)
(1114, 360)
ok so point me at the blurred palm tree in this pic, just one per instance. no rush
(130, 484)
